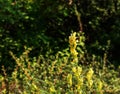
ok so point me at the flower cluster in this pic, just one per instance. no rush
(89, 77)
(73, 45)
(69, 79)
(100, 85)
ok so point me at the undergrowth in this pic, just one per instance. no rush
(71, 71)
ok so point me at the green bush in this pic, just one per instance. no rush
(61, 73)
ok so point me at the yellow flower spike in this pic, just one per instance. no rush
(73, 52)
(79, 83)
(69, 79)
(73, 45)
(52, 89)
(100, 85)
(79, 70)
(90, 83)
(89, 77)
(90, 74)
(72, 38)
(74, 69)
(72, 42)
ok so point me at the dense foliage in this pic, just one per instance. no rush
(45, 26)
(65, 72)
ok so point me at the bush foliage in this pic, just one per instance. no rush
(61, 73)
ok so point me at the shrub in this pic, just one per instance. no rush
(61, 73)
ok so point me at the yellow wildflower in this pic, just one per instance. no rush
(79, 69)
(72, 39)
(74, 69)
(79, 83)
(90, 82)
(73, 45)
(52, 89)
(89, 77)
(89, 74)
(69, 79)
(100, 85)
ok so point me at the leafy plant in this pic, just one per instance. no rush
(60, 73)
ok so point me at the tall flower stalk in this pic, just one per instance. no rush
(89, 77)
(73, 45)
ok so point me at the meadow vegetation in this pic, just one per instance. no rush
(59, 47)
(66, 72)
